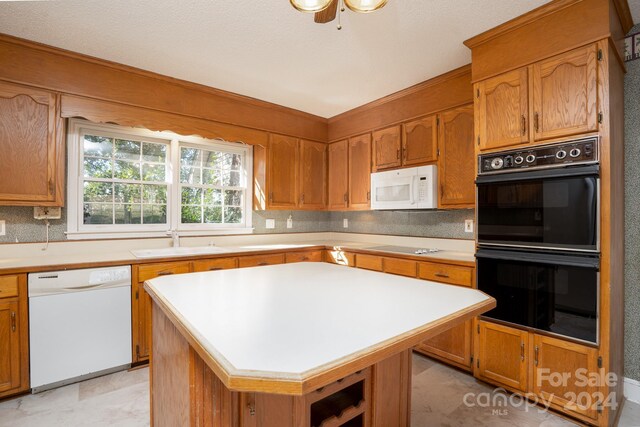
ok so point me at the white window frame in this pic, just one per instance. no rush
(77, 230)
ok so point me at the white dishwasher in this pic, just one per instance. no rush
(79, 324)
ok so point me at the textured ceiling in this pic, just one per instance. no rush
(265, 49)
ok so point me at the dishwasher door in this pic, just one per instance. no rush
(79, 325)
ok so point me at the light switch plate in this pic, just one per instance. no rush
(345, 223)
(270, 223)
(289, 222)
(468, 226)
(3, 230)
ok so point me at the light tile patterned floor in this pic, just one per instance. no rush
(122, 400)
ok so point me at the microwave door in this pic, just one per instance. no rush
(395, 193)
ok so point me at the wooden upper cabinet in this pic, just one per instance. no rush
(360, 172)
(386, 148)
(502, 110)
(282, 167)
(564, 94)
(313, 170)
(456, 171)
(501, 354)
(556, 356)
(32, 147)
(338, 179)
(420, 141)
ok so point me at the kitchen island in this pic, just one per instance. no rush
(303, 344)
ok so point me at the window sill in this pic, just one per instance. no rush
(94, 235)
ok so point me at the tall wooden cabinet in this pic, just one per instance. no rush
(553, 98)
(338, 177)
(282, 172)
(14, 335)
(360, 172)
(456, 166)
(313, 175)
(32, 147)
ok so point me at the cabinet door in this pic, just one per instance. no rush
(260, 260)
(456, 172)
(283, 172)
(10, 348)
(503, 110)
(564, 94)
(386, 148)
(215, 264)
(574, 362)
(453, 345)
(502, 355)
(313, 168)
(360, 172)
(338, 175)
(32, 144)
(420, 141)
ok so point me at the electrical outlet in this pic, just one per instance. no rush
(3, 230)
(270, 223)
(468, 226)
(40, 212)
(289, 222)
(345, 223)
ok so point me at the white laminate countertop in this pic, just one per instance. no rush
(288, 321)
(25, 256)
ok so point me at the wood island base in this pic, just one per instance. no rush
(186, 392)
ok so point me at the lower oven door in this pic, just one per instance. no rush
(556, 293)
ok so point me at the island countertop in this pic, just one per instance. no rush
(292, 328)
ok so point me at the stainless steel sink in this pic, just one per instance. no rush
(180, 251)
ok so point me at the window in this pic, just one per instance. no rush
(122, 183)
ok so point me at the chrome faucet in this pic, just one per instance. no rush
(175, 236)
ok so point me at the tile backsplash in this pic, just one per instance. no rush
(21, 227)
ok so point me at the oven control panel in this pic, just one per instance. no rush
(553, 155)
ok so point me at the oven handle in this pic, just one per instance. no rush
(589, 170)
(541, 258)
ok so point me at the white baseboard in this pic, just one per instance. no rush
(632, 390)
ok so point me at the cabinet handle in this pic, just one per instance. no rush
(445, 276)
(215, 268)
(522, 351)
(13, 321)
(368, 195)
(346, 198)
(50, 186)
(536, 121)
(165, 273)
(398, 154)
(271, 196)
(404, 153)
(535, 360)
(302, 198)
(304, 258)
(524, 125)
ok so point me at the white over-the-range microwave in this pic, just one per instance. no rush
(408, 188)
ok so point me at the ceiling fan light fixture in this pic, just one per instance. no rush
(364, 6)
(310, 6)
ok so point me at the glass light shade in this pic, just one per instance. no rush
(310, 6)
(364, 6)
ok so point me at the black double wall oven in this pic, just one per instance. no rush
(538, 237)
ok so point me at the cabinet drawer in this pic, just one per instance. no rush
(8, 286)
(149, 271)
(313, 256)
(403, 267)
(369, 262)
(452, 274)
(215, 264)
(341, 258)
(253, 261)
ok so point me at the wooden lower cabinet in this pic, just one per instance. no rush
(561, 375)
(14, 335)
(369, 262)
(501, 355)
(141, 304)
(215, 264)
(452, 346)
(309, 256)
(402, 267)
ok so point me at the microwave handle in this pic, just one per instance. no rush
(414, 189)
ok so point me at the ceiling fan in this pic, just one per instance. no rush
(326, 10)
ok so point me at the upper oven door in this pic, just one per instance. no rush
(549, 209)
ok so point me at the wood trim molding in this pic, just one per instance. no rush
(445, 91)
(624, 13)
(71, 73)
(126, 115)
